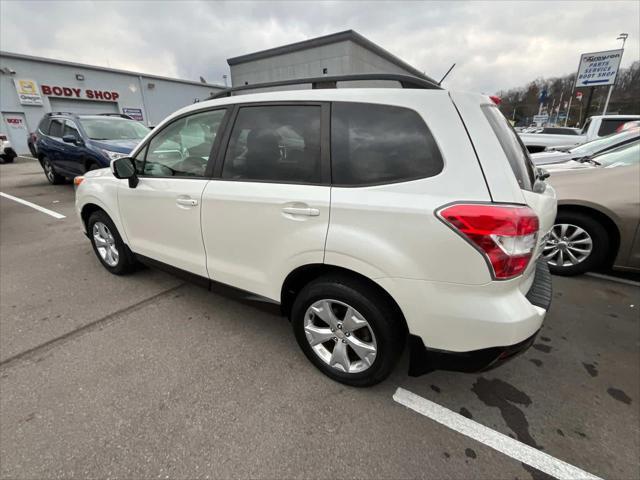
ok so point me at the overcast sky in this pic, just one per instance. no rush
(496, 45)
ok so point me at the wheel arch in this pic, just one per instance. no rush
(301, 276)
(601, 217)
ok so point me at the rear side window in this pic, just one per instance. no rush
(610, 125)
(275, 144)
(378, 144)
(56, 128)
(513, 147)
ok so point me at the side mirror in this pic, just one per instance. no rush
(123, 168)
(70, 139)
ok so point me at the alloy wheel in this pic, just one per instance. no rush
(105, 244)
(48, 170)
(340, 336)
(567, 245)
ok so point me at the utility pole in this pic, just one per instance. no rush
(623, 37)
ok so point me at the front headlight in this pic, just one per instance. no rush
(113, 155)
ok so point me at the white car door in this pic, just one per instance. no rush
(267, 210)
(161, 215)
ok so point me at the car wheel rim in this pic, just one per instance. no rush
(48, 170)
(340, 336)
(105, 244)
(567, 245)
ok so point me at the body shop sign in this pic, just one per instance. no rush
(599, 68)
(74, 92)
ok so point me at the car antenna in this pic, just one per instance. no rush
(445, 75)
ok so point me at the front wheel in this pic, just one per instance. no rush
(577, 243)
(108, 246)
(50, 172)
(347, 330)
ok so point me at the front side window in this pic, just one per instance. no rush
(56, 127)
(183, 147)
(275, 144)
(377, 144)
(70, 129)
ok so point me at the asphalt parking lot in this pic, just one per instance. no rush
(148, 376)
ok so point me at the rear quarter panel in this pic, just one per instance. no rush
(392, 230)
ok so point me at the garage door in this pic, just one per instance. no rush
(82, 106)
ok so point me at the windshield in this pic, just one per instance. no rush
(595, 146)
(620, 157)
(113, 128)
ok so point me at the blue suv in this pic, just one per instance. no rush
(69, 145)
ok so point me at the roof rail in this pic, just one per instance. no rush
(406, 81)
(121, 115)
(57, 113)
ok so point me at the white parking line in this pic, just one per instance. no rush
(502, 443)
(613, 279)
(33, 205)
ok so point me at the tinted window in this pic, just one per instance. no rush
(278, 144)
(610, 125)
(559, 131)
(512, 146)
(375, 144)
(70, 129)
(183, 147)
(44, 125)
(56, 128)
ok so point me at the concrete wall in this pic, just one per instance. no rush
(134, 91)
(341, 58)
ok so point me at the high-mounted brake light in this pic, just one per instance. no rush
(495, 99)
(505, 234)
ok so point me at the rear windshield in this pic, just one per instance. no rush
(513, 147)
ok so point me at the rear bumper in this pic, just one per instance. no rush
(424, 360)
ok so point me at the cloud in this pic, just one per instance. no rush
(496, 45)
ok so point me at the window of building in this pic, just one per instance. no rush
(376, 144)
(275, 144)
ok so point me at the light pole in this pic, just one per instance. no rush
(623, 37)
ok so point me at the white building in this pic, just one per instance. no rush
(32, 86)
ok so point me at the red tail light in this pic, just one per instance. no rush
(505, 234)
(495, 99)
(3, 137)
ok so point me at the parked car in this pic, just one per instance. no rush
(586, 150)
(69, 145)
(370, 215)
(32, 138)
(595, 127)
(598, 214)
(7, 153)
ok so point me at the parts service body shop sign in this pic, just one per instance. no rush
(75, 92)
(599, 68)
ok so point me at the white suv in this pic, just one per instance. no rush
(373, 216)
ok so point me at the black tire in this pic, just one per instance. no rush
(92, 166)
(378, 312)
(50, 172)
(126, 261)
(601, 243)
(33, 151)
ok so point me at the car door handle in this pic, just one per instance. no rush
(187, 202)
(309, 212)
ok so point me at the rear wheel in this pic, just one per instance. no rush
(50, 172)
(347, 330)
(108, 246)
(577, 243)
